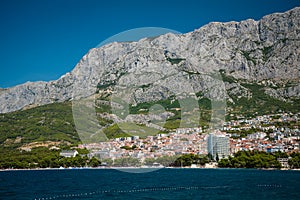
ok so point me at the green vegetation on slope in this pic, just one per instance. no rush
(175, 60)
(260, 103)
(168, 104)
(53, 122)
(114, 131)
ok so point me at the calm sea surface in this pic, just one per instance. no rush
(161, 184)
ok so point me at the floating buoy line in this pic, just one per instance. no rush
(269, 186)
(86, 194)
(152, 189)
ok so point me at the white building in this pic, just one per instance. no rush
(218, 145)
(68, 153)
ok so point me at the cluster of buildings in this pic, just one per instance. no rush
(170, 144)
(268, 137)
(272, 133)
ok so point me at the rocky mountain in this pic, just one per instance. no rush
(265, 53)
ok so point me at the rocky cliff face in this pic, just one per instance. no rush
(266, 52)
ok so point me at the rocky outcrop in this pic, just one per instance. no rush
(156, 68)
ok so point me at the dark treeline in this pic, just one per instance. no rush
(259, 159)
(42, 157)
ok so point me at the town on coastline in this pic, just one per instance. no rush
(264, 142)
(274, 133)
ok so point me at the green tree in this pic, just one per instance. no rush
(217, 157)
(94, 162)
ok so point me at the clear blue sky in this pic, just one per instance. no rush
(43, 39)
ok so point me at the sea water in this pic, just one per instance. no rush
(197, 184)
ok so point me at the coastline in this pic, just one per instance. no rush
(137, 168)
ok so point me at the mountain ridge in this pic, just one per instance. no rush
(265, 52)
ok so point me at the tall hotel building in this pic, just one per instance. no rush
(218, 145)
